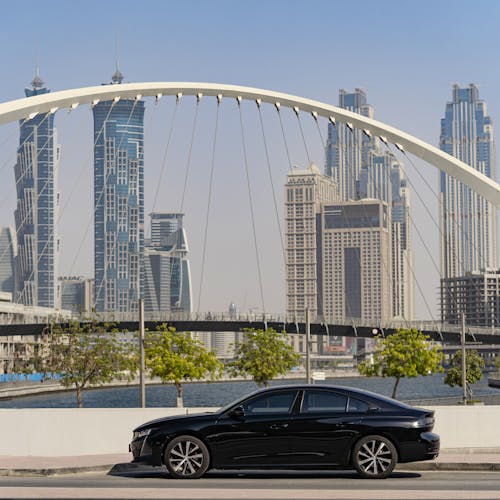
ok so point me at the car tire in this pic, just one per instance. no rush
(374, 457)
(186, 457)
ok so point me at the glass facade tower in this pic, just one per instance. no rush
(36, 210)
(167, 273)
(118, 204)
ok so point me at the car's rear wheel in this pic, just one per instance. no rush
(186, 457)
(374, 457)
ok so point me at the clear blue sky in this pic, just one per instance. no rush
(405, 54)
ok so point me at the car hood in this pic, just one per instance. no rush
(184, 418)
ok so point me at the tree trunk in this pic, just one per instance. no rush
(180, 389)
(395, 389)
(469, 390)
(79, 397)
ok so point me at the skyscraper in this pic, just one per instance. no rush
(37, 205)
(468, 221)
(167, 273)
(305, 191)
(118, 203)
(8, 251)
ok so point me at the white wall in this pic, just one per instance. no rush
(468, 426)
(92, 431)
(72, 431)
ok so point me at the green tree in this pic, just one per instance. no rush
(406, 353)
(177, 357)
(474, 365)
(497, 362)
(86, 354)
(263, 355)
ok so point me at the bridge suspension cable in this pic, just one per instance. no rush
(209, 201)
(165, 154)
(268, 164)
(250, 200)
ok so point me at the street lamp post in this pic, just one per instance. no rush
(141, 355)
(464, 364)
(308, 347)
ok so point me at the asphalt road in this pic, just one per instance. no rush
(154, 483)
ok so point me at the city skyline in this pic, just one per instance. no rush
(396, 100)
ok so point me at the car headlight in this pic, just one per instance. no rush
(142, 433)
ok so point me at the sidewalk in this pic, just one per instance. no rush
(466, 460)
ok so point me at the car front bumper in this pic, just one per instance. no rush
(144, 453)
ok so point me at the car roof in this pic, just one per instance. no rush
(352, 390)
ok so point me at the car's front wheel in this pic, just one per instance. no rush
(374, 457)
(186, 457)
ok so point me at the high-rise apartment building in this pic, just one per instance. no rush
(356, 249)
(364, 170)
(468, 221)
(305, 192)
(8, 251)
(118, 203)
(37, 206)
(167, 274)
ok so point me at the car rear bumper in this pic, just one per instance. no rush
(425, 448)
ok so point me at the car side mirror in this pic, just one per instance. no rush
(237, 413)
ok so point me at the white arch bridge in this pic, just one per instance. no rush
(29, 108)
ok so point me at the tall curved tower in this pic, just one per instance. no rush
(37, 206)
(118, 203)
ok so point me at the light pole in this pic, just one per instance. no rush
(308, 347)
(141, 354)
(464, 364)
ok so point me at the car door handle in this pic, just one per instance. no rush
(275, 427)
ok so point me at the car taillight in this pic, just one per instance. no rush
(425, 421)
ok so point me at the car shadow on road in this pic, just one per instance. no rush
(132, 470)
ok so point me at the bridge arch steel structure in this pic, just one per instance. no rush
(29, 107)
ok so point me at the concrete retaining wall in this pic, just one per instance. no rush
(92, 431)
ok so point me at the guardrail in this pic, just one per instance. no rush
(279, 318)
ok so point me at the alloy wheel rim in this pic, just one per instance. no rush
(186, 458)
(374, 457)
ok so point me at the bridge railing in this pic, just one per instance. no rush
(247, 317)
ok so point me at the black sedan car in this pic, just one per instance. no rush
(292, 427)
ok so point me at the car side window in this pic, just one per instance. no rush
(356, 405)
(319, 401)
(278, 402)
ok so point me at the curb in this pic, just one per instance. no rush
(450, 466)
(57, 471)
(415, 466)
